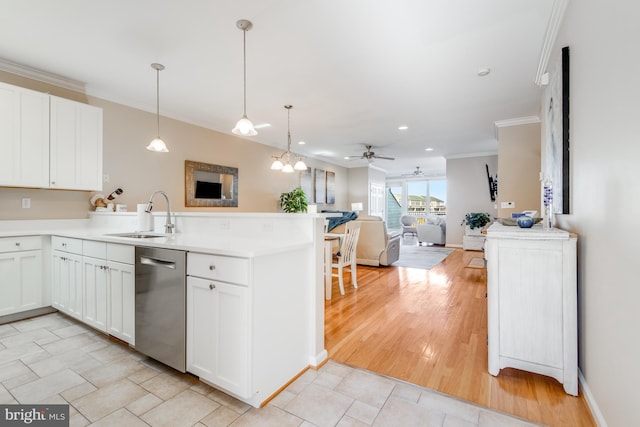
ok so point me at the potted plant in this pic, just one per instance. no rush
(294, 201)
(475, 222)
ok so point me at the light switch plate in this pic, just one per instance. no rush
(26, 203)
(508, 205)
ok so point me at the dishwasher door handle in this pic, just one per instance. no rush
(157, 262)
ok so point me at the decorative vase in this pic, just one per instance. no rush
(525, 222)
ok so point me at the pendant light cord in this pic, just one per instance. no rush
(289, 129)
(158, 99)
(244, 61)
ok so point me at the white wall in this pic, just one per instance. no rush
(605, 203)
(519, 168)
(468, 191)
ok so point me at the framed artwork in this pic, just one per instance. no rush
(557, 160)
(331, 187)
(306, 183)
(321, 186)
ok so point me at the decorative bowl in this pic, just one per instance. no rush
(514, 221)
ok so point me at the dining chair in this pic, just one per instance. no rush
(345, 258)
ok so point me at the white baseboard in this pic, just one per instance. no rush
(315, 361)
(591, 401)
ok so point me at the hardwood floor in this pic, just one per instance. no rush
(429, 327)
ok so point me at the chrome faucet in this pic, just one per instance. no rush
(168, 227)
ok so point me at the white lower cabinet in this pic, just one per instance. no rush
(95, 276)
(21, 286)
(122, 304)
(67, 281)
(95, 282)
(218, 334)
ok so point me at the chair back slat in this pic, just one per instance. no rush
(350, 241)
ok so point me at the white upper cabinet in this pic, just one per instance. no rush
(24, 137)
(76, 145)
(49, 142)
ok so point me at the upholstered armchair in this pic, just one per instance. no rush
(408, 223)
(433, 230)
(376, 246)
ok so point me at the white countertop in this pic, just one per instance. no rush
(498, 230)
(204, 243)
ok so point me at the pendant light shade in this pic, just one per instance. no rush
(157, 144)
(283, 163)
(244, 126)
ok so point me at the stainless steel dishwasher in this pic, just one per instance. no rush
(161, 305)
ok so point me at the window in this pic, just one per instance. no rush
(415, 197)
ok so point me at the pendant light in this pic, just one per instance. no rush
(157, 144)
(244, 126)
(283, 162)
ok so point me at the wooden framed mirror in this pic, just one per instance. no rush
(210, 185)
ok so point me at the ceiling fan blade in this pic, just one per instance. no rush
(384, 157)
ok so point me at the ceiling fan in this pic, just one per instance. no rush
(417, 172)
(369, 155)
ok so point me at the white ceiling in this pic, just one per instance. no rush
(354, 70)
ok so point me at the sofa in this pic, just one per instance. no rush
(376, 246)
(432, 230)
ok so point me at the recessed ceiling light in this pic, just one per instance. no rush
(301, 142)
(428, 149)
(484, 72)
(403, 127)
(262, 126)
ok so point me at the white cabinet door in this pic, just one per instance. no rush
(10, 285)
(67, 283)
(95, 292)
(121, 319)
(218, 334)
(76, 145)
(21, 287)
(24, 137)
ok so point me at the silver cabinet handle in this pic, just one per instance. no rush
(212, 286)
(17, 243)
(212, 267)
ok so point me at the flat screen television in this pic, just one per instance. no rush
(208, 190)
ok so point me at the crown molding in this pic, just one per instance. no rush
(553, 26)
(41, 76)
(517, 121)
(514, 122)
(468, 155)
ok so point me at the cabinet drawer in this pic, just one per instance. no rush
(121, 253)
(66, 244)
(20, 243)
(94, 249)
(226, 269)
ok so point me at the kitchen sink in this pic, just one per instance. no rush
(138, 235)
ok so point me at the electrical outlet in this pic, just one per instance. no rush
(105, 178)
(508, 205)
(26, 203)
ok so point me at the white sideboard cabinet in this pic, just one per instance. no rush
(532, 302)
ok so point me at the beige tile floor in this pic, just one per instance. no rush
(54, 359)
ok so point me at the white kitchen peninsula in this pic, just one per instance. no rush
(532, 302)
(280, 327)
